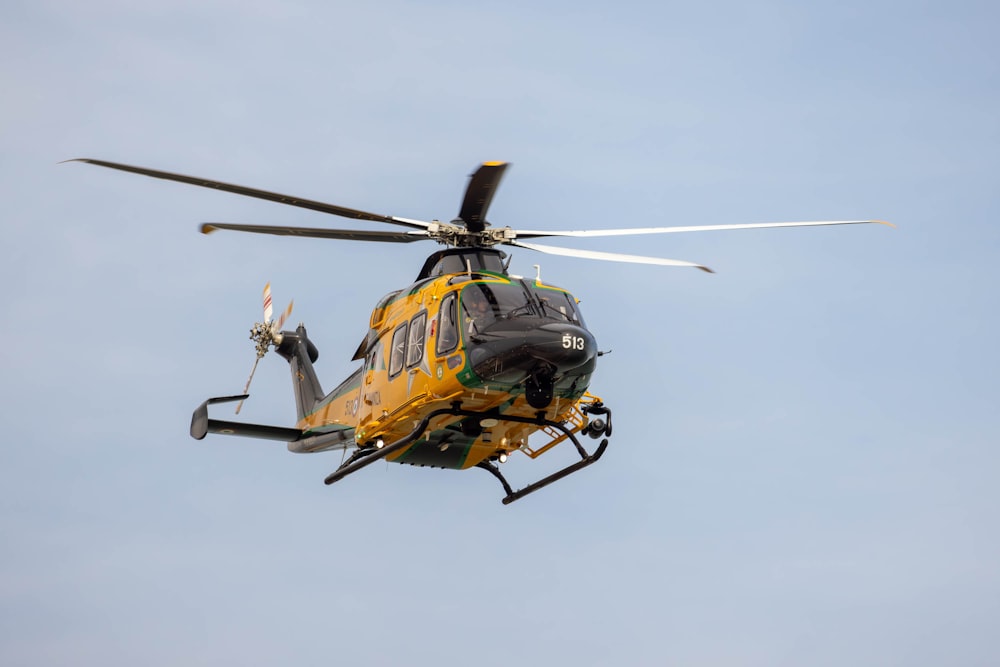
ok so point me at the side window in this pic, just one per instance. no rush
(415, 346)
(447, 329)
(397, 352)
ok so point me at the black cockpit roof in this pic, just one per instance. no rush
(460, 260)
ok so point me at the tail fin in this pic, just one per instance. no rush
(301, 353)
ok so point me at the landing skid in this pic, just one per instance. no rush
(371, 453)
(513, 495)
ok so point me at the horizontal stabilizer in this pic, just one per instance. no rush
(201, 425)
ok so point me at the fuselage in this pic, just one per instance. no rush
(463, 334)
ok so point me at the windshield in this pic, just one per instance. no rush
(557, 304)
(484, 303)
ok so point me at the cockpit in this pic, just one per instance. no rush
(518, 333)
(483, 303)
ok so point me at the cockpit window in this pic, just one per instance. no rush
(558, 304)
(484, 303)
(447, 329)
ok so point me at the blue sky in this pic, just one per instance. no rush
(804, 462)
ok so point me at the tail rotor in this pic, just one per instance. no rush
(264, 334)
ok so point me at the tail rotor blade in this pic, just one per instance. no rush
(276, 327)
(264, 334)
(246, 388)
(268, 309)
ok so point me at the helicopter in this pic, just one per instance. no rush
(461, 369)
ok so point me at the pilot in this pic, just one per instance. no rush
(477, 308)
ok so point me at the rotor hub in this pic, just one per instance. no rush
(455, 235)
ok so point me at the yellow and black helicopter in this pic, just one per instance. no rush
(459, 369)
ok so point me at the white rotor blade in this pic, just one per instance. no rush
(276, 326)
(268, 310)
(693, 228)
(607, 256)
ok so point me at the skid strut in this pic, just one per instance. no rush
(372, 453)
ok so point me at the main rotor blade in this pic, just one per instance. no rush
(479, 194)
(260, 194)
(607, 256)
(319, 233)
(529, 234)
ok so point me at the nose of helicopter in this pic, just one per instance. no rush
(566, 346)
(508, 354)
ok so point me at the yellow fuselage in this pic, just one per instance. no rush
(482, 341)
